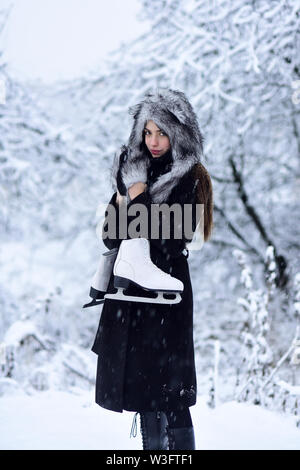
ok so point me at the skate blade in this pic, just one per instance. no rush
(93, 302)
(123, 283)
(160, 299)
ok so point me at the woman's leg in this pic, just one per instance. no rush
(179, 419)
(180, 430)
(171, 430)
(153, 429)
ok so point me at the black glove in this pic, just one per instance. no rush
(117, 181)
(129, 169)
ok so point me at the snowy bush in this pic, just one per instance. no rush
(36, 354)
(258, 380)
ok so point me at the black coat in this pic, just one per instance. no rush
(146, 351)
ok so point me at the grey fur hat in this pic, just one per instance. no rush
(172, 112)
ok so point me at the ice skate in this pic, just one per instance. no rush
(133, 265)
(101, 278)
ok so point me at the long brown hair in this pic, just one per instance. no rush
(204, 192)
(205, 196)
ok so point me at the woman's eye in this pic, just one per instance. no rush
(161, 133)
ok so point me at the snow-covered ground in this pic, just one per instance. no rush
(61, 420)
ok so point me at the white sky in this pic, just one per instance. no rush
(61, 39)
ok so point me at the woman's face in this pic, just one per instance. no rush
(156, 140)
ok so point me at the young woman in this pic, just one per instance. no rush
(145, 350)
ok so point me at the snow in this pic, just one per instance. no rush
(55, 420)
(18, 330)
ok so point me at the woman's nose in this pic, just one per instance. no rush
(154, 140)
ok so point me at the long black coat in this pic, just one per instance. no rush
(146, 351)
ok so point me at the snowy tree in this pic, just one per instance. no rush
(258, 380)
(238, 64)
(257, 357)
(44, 208)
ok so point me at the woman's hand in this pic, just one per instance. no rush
(136, 189)
(119, 198)
(129, 174)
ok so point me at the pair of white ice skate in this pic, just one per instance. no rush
(133, 265)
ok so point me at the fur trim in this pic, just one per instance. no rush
(115, 167)
(172, 113)
(134, 170)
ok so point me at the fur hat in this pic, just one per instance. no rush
(172, 113)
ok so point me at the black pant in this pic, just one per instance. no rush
(179, 419)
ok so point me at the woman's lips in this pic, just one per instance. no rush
(155, 152)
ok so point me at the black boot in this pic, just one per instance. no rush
(181, 438)
(153, 430)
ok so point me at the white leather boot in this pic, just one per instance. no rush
(133, 265)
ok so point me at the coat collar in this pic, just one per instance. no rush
(159, 166)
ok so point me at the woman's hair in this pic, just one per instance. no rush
(205, 196)
(204, 192)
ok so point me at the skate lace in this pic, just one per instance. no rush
(148, 260)
(133, 431)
